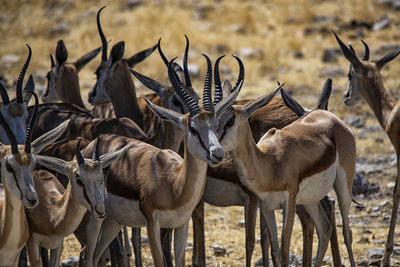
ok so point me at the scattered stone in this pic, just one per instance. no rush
(329, 19)
(194, 70)
(219, 251)
(375, 253)
(394, 4)
(362, 263)
(383, 23)
(360, 183)
(237, 28)
(331, 72)
(242, 223)
(298, 54)
(354, 121)
(383, 204)
(386, 218)
(60, 28)
(375, 263)
(258, 262)
(363, 240)
(9, 59)
(250, 52)
(72, 261)
(331, 55)
(131, 4)
(390, 185)
(221, 48)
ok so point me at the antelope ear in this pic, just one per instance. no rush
(387, 58)
(349, 55)
(166, 114)
(85, 59)
(149, 83)
(30, 86)
(257, 103)
(109, 158)
(325, 95)
(292, 104)
(139, 57)
(226, 88)
(52, 163)
(61, 54)
(117, 53)
(227, 102)
(48, 138)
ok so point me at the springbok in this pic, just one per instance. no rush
(161, 189)
(60, 210)
(15, 112)
(365, 82)
(17, 190)
(63, 81)
(263, 168)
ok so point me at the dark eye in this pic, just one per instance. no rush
(193, 131)
(79, 181)
(230, 123)
(9, 168)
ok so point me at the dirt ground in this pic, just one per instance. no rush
(277, 40)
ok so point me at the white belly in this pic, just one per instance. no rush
(311, 190)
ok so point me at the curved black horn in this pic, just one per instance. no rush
(185, 65)
(102, 36)
(53, 64)
(10, 135)
(78, 154)
(366, 51)
(4, 94)
(95, 155)
(217, 82)
(241, 73)
(22, 75)
(352, 48)
(193, 107)
(32, 121)
(164, 58)
(207, 98)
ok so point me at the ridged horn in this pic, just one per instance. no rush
(241, 73)
(22, 75)
(164, 58)
(4, 94)
(207, 98)
(102, 36)
(217, 82)
(32, 122)
(185, 64)
(366, 51)
(193, 107)
(10, 135)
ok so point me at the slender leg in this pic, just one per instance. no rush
(137, 246)
(250, 214)
(288, 228)
(307, 224)
(55, 255)
(396, 198)
(117, 252)
(166, 240)
(109, 230)
(45, 256)
(328, 206)
(270, 221)
(153, 232)
(33, 249)
(344, 199)
(264, 240)
(23, 259)
(180, 237)
(127, 245)
(324, 229)
(91, 234)
(199, 250)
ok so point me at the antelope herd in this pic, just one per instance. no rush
(153, 161)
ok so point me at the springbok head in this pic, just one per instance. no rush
(200, 124)
(362, 72)
(113, 73)
(15, 112)
(18, 161)
(62, 77)
(86, 175)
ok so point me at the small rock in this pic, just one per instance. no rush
(331, 55)
(242, 223)
(131, 4)
(194, 70)
(219, 251)
(72, 261)
(60, 28)
(360, 183)
(375, 263)
(390, 185)
(221, 48)
(354, 121)
(363, 240)
(381, 24)
(237, 28)
(383, 204)
(331, 72)
(375, 253)
(386, 218)
(250, 52)
(9, 59)
(298, 54)
(330, 19)
(258, 262)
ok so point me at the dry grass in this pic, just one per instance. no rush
(275, 27)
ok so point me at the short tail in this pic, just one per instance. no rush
(357, 202)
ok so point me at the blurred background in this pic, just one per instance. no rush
(289, 41)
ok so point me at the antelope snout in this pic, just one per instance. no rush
(100, 211)
(32, 199)
(217, 153)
